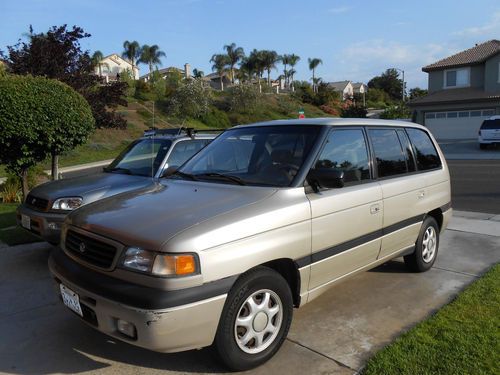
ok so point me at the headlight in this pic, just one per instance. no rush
(67, 204)
(160, 264)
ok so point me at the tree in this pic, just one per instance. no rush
(131, 51)
(234, 55)
(313, 64)
(57, 54)
(269, 60)
(220, 63)
(40, 117)
(191, 99)
(294, 59)
(97, 58)
(198, 73)
(389, 82)
(417, 92)
(285, 60)
(151, 55)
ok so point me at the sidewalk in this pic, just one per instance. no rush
(335, 334)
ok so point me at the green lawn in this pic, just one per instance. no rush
(9, 232)
(462, 338)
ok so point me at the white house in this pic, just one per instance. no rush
(112, 66)
(344, 87)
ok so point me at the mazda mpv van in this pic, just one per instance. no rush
(263, 220)
(148, 157)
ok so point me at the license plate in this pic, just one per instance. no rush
(25, 221)
(71, 299)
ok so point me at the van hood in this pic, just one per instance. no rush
(150, 216)
(90, 188)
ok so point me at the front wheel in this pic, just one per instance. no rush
(426, 247)
(255, 320)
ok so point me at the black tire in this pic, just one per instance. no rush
(483, 146)
(256, 280)
(421, 260)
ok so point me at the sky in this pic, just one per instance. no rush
(356, 39)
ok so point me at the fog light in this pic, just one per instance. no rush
(53, 226)
(127, 328)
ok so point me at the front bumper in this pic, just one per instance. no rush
(44, 224)
(170, 329)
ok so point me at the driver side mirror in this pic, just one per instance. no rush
(169, 171)
(325, 178)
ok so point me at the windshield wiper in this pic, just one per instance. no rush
(118, 169)
(184, 175)
(221, 176)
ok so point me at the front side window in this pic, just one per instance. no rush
(262, 156)
(346, 150)
(142, 157)
(388, 152)
(425, 152)
(457, 78)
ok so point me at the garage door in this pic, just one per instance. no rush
(456, 124)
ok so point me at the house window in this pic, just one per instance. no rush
(430, 115)
(456, 78)
(441, 115)
(452, 115)
(463, 114)
(488, 112)
(475, 113)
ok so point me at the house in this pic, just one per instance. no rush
(344, 87)
(464, 89)
(214, 81)
(359, 88)
(186, 72)
(113, 65)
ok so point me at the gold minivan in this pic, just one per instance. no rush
(264, 219)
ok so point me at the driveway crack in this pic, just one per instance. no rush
(321, 354)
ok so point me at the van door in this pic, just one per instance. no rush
(402, 188)
(347, 221)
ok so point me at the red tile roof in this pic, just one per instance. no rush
(471, 56)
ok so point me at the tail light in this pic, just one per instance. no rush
(479, 132)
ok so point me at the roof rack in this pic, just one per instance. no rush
(190, 132)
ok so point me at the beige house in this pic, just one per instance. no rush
(112, 66)
(345, 88)
(186, 72)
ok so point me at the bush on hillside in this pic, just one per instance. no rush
(353, 111)
(216, 118)
(191, 99)
(243, 98)
(396, 112)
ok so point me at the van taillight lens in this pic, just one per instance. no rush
(479, 132)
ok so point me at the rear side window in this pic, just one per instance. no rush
(491, 124)
(425, 152)
(183, 150)
(389, 155)
(346, 150)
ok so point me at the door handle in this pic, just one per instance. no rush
(421, 194)
(374, 209)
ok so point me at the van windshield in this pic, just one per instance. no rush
(261, 156)
(141, 158)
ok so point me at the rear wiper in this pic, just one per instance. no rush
(185, 175)
(221, 176)
(118, 169)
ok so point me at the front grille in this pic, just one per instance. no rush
(90, 250)
(37, 203)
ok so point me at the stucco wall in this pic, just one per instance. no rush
(491, 71)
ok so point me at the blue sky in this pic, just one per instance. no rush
(355, 39)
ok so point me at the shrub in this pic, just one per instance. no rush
(216, 119)
(243, 98)
(353, 111)
(396, 112)
(11, 191)
(330, 110)
(191, 99)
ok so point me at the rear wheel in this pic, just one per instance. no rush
(483, 146)
(426, 247)
(255, 319)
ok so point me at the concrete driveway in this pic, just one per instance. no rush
(335, 334)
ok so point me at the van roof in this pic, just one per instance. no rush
(337, 122)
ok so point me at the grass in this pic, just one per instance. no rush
(11, 234)
(462, 338)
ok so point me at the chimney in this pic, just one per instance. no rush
(187, 70)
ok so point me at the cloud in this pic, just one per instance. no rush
(491, 28)
(339, 9)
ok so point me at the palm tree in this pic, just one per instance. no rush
(256, 62)
(285, 60)
(97, 58)
(131, 51)
(269, 60)
(198, 73)
(151, 55)
(313, 64)
(234, 54)
(220, 63)
(294, 59)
